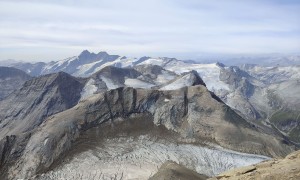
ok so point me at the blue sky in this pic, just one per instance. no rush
(187, 29)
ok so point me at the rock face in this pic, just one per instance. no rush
(10, 80)
(242, 87)
(275, 99)
(40, 97)
(26, 108)
(193, 112)
(277, 169)
(171, 170)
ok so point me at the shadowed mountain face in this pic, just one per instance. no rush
(25, 109)
(10, 80)
(40, 97)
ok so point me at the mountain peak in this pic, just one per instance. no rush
(103, 53)
(220, 64)
(197, 79)
(84, 52)
(6, 72)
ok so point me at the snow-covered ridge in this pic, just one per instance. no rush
(88, 63)
(208, 72)
(186, 80)
(89, 89)
(58, 64)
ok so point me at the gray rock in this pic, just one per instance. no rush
(39, 98)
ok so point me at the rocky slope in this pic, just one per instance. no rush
(193, 112)
(277, 169)
(10, 80)
(26, 108)
(276, 101)
(40, 97)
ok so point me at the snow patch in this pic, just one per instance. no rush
(208, 72)
(164, 77)
(140, 158)
(109, 83)
(45, 142)
(89, 89)
(83, 69)
(186, 80)
(136, 83)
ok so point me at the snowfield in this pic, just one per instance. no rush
(136, 83)
(109, 83)
(89, 89)
(186, 80)
(129, 158)
(208, 72)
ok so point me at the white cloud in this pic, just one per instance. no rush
(152, 27)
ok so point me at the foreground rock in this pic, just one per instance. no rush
(275, 169)
(171, 170)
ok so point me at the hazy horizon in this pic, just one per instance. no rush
(53, 30)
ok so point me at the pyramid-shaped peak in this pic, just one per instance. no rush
(103, 53)
(85, 52)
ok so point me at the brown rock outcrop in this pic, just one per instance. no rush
(275, 169)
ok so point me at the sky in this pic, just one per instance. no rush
(36, 30)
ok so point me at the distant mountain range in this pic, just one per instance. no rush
(87, 63)
(10, 80)
(255, 91)
(275, 59)
(248, 108)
